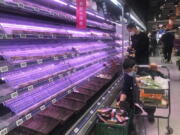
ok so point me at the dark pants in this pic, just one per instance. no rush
(167, 53)
(142, 60)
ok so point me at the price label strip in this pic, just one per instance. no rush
(50, 79)
(54, 101)
(43, 107)
(22, 36)
(91, 112)
(28, 116)
(14, 95)
(76, 130)
(19, 122)
(31, 87)
(60, 76)
(4, 131)
(4, 69)
(56, 58)
(39, 61)
(23, 65)
(69, 91)
(20, 5)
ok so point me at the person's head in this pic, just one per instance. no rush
(129, 65)
(132, 28)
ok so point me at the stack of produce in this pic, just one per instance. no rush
(113, 116)
(152, 92)
(148, 83)
(153, 99)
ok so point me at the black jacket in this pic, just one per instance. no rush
(168, 40)
(140, 43)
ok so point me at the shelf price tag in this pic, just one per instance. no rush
(22, 36)
(91, 112)
(36, 9)
(98, 103)
(54, 101)
(56, 58)
(39, 61)
(4, 69)
(9, 37)
(40, 36)
(76, 130)
(74, 89)
(65, 56)
(23, 64)
(69, 91)
(43, 107)
(19, 122)
(69, 72)
(1, 35)
(4, 131)
(50, 79)
(20, 5)
(103, 98)
(73, 55)
(14, 95)
(28, 116)
(31, 87)
(60, 75)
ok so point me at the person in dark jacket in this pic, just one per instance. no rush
(140, 43)
(153, 44)
(168, 42)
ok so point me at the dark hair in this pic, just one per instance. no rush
(128, 63)
(131, 25)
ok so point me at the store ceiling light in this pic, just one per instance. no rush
(137, 21)
(116, 3)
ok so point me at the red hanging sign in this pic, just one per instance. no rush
(81, 14)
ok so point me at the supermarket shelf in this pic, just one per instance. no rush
(50, 36)
(39, 10)
(17, 92)
(16, 121)
(82, 123)
(7, 67)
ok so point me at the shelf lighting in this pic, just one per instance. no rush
(137, 21)
(74, 7)
(61, 2)
(116, 3)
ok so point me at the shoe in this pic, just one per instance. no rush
(151, 119)
(137, 110)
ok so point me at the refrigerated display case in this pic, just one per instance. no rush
(50, 71)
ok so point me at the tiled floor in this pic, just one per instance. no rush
(152, 129)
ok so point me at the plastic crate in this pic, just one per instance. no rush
(106, 129)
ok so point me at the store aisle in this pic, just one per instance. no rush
(151, 129)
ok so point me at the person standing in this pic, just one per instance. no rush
(153, 43)
(140, 43)
(168, 42)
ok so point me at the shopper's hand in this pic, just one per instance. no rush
(118, 104)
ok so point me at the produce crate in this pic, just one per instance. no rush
(107, 129)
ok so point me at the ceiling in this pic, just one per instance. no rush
(147, 10)
(150, 9)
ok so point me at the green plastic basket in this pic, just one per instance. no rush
(106, 129)
(113, 129)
